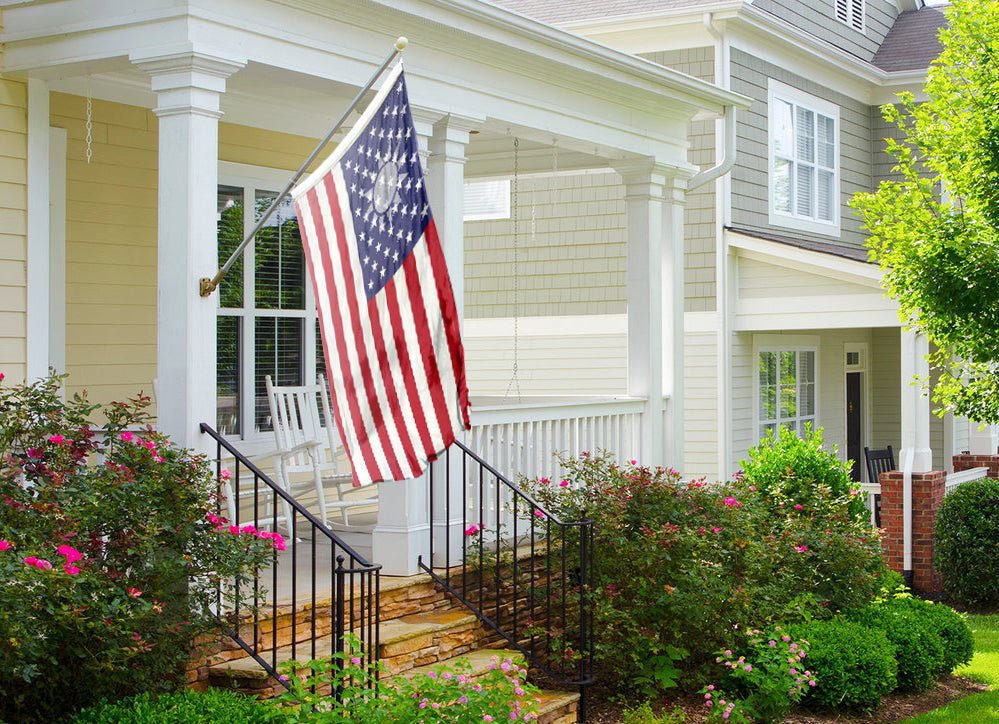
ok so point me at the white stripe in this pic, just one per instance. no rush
(416, 358)
(325, 312)
(368, 335)
(411, 431)
(438, 333)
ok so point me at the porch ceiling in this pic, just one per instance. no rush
(304, 60)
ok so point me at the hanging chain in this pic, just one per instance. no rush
(90, 123)
(514, 379)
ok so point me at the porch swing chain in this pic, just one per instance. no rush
(90, 122)
(514, 379)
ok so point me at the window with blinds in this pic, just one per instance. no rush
(851, 12)
(266, 319)
(804, 160)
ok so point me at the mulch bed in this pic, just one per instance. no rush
(895, 707)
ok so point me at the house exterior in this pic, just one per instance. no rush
(141, 138)
(785, 319)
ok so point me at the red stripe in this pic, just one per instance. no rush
(395, 407)
(360, 338)
(341, 346)
(427, 353)
(445, 297)
(409, 377)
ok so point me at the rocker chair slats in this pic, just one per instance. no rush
(309, 449)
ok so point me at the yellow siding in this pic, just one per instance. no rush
(110, 247)
(14, 223)
(111, 216)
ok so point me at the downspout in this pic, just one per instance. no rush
(907, 465)
(725, 138)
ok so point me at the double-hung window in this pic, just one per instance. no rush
(786, 389)
(804, 161)
(266, 318)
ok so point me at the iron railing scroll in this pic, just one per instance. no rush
(315, 592)
(520, 569)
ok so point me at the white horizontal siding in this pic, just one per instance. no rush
(700, 417)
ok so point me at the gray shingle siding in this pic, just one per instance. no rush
(700, 211)
(818, 18)
(750, 188)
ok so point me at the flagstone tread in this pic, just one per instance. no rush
(556, 707)
(480, 661)
(392, 632)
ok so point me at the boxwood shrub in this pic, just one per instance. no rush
(214, 706)
(919, 647)
(967, 543)
(854, 665)
(951, 627)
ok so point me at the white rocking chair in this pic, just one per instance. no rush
(307, 447)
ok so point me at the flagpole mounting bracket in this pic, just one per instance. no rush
(206, 286)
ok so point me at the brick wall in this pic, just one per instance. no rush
(966, 462)
(927, 493)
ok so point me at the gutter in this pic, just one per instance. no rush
(721, 79)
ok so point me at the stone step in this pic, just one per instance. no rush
(480, 661)
(558, 707)
(405, 643)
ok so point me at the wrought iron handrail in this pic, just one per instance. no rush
(353, 602)
(522, 571)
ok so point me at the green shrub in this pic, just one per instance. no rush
(214, 706)
(967, 543)
(919, 648)
(789, 470)
(854, 665)
(109, 556)
(701, 560)
(953, 630)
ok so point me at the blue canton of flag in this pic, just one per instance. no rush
(383, 168)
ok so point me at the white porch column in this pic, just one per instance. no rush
(38, 354)
(188, 86)
(446, 187)
(915, 454)
(654, 195)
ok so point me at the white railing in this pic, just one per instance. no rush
(523, 439)
(956, 479)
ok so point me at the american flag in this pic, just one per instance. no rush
(389, 324)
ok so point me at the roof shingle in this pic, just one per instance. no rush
(912, 42)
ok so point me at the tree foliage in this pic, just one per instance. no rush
(935, 227)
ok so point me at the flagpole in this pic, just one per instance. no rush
(206, 285)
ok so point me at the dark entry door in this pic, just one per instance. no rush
(853, 424)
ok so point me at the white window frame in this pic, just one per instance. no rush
(252, 179)
(784, 343)
(852, 13)
(498, 210)
(793, 220)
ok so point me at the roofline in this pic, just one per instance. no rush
(563, 40)
(740, 12)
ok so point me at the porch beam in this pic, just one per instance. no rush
(188, 87)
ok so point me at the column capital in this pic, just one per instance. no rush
(186, 80)
(648, 178)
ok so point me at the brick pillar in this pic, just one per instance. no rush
(927, 493)
(966, 462)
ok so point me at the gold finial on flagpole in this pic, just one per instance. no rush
(401, 42)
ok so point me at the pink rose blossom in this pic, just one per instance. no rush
(801, 549)
(564, 484)
(126, 436)
(225, 474)
(632, 462)
(799, 506)
(234, 529)
(715, 529)
(472, 529)
(34, 452)
(539, 513)
(70, 553)
(730, 501)
(4, 545)
(71, 569)
(279, 543)
(30, 560)
(56, 439)
(133, 592)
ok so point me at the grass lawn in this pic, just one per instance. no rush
(984, 668)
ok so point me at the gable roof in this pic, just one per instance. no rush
(560, 11)
(845, 251)
(912, 42)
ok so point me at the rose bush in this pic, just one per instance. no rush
(112, 553)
